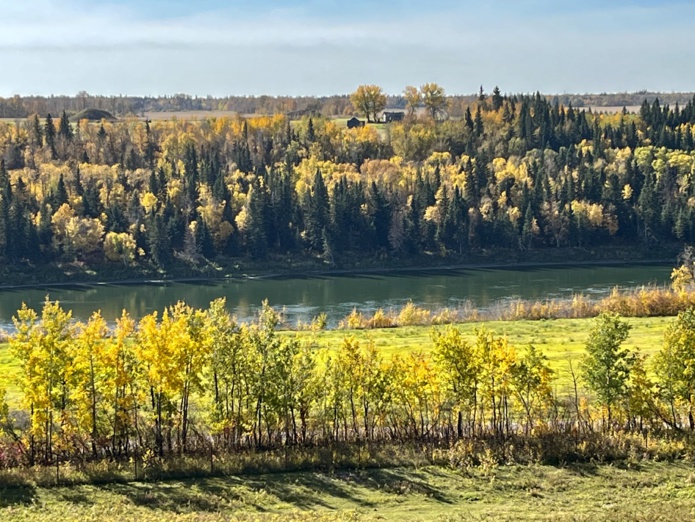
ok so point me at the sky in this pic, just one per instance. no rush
(324, 47)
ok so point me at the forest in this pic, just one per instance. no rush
(520, 172)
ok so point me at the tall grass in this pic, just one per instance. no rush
(483, 453)
(652, 301)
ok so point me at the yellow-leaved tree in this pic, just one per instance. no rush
(369, 100)
(43, 350)
(91, 375)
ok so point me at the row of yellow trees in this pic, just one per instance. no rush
(189, 379)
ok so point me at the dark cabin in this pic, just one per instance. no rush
(388, 117)
(354, 123)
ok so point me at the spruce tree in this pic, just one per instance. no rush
(64, 128)
(36, 131)
(50, 133)
(317, 213)
(61, 193)
(5, 202)
(497, 99)
(256, 240)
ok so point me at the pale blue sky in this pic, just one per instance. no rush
(316, 47)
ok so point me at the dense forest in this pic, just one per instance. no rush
(520, 172)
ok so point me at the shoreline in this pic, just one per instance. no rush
(303, 274)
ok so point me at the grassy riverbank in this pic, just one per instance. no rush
(653, 491)
(561, 340)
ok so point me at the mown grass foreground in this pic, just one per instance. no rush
(647, 492)
(561, 340)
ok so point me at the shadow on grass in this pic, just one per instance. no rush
(17, 496)
(301, 490)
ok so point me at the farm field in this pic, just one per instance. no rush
(650, 491)
(561, 340)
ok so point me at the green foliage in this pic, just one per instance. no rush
(607, 364)
(675, 364)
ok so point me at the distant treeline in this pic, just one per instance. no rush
(25, 106)
(513, 172)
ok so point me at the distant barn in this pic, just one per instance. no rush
(391, 116)
(354, 123)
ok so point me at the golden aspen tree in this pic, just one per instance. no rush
(42, 347)
(125, 393)
(532, 378)
(89, 376)
(230, 374)
(460, 368)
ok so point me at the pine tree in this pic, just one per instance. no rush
(317, 213)
(36, 131)
(50, 134)
(497, 99)
(64, 128)
(5, 203)
(256, 240)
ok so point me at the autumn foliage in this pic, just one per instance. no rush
(191, 381)
(513, 172)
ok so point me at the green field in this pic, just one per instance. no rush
(561, 340)
(644, 492)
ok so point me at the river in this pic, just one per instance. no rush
(303, 297)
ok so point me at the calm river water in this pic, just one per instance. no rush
(303, 297)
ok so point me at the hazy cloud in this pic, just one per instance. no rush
(48, 46)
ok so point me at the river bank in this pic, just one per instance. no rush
(66, 274)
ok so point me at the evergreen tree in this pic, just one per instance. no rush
(61, 193)
(36, 131)
(5, 203)
(50, 134)
(65, 128)
(479, 127)
(497, 99)
(255, 231)
(317, 213)
(158, 241)
(380, 211)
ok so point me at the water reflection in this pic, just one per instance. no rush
(302, 297)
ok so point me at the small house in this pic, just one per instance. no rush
(391, 116)
(354, 123)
